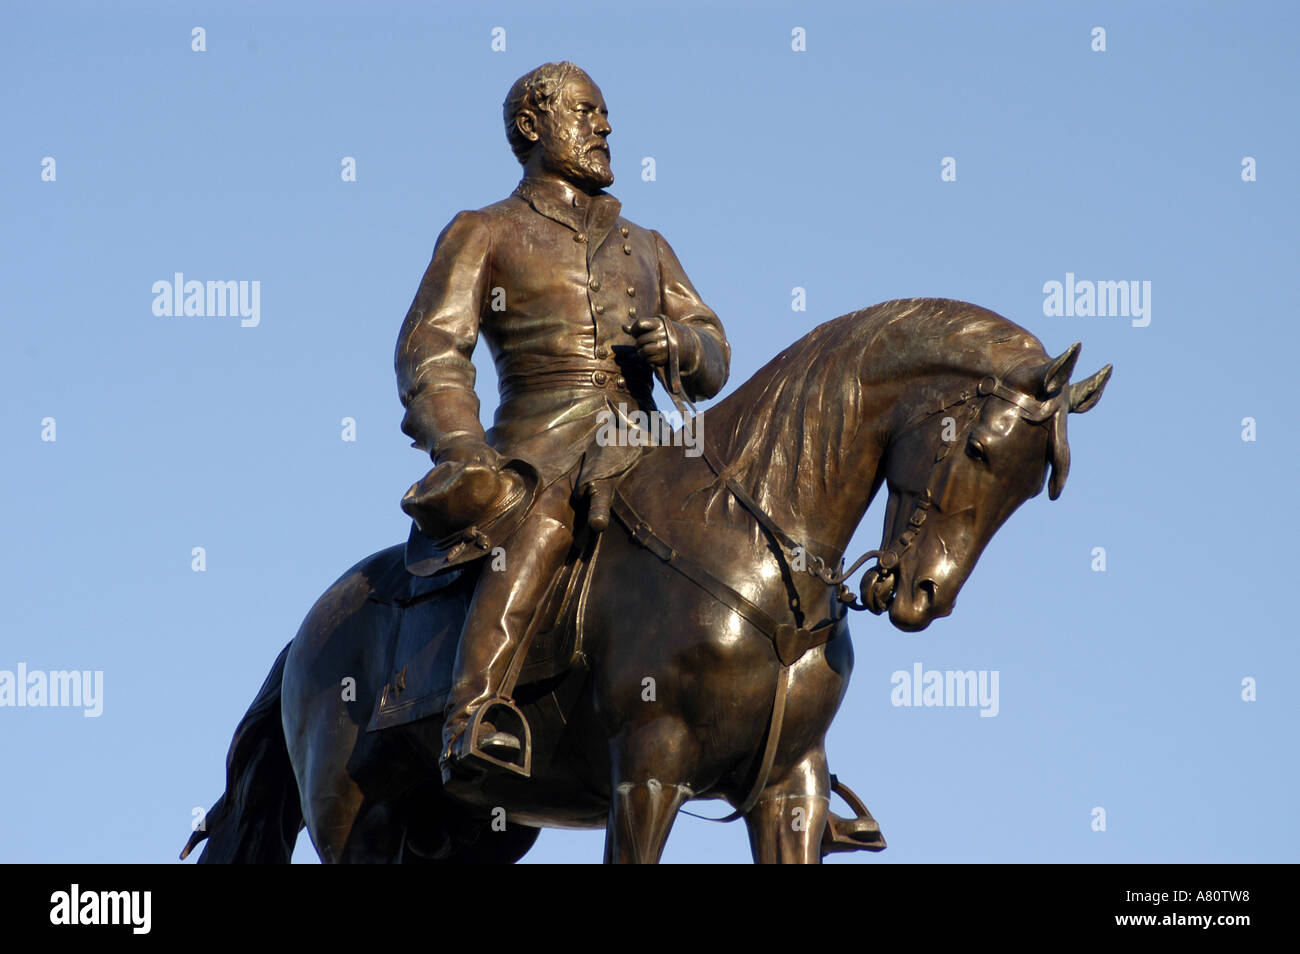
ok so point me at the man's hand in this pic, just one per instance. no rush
(469, 450)
(652, 342)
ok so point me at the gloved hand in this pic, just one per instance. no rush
(652, 342)
(468, 450)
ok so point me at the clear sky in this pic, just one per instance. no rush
(820, 169)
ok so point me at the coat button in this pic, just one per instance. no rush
(599, 378)
(631, 312)
(580, 237)
(620, 382)
(600, 309)
(602, 352)
(631, 291)
(627, 249)
(624, 231)
(595, 284)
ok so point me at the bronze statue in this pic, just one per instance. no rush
(578, 305)
(667, 627)
(689, 587)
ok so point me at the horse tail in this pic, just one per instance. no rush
(257, 818)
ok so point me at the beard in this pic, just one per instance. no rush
(581, 164)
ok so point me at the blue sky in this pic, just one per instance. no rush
(775, 169)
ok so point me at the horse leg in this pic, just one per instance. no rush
(442, 834)
(646, 789)
(331, 755)
(331, 804)
(375, 836)
(786, 824)
(345, 826)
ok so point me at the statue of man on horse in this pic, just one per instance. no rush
(700, 649)
(579, 307)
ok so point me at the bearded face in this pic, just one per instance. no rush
(572, 136)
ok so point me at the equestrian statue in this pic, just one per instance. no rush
(602, 611)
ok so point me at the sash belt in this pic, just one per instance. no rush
(603, 379)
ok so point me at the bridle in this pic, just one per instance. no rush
(1031, 409)
(790, 642)
(796, 557)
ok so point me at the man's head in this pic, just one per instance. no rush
(557, 122)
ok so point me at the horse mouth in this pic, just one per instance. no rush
(879, 588)
(922, 608)
(880, 594)
(915, 614)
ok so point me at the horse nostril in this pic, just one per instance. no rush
(931, 589)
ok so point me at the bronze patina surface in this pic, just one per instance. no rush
(685, 614)
(577, 305)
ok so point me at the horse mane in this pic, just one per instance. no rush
(761, 429)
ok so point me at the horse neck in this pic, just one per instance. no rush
(838, 465)
(812, 471)
(808, 434)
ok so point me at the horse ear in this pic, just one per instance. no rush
(1057, 374)
(1059, 455)
(1085, 394)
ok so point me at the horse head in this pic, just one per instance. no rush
(958, 470)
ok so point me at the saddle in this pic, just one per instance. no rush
(421, 653)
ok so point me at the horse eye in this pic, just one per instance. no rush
(975, 451)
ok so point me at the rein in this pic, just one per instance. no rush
(1031, 409)
(792, 552)
(791, 641)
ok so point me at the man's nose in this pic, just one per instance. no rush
(602, 126)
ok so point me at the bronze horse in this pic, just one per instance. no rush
(674, 696)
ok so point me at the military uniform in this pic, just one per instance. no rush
(549, 276)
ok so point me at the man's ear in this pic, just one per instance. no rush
(526, 123)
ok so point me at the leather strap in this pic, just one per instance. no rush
(769, 747)
(670, 375)
(788, 641)
(761, 515)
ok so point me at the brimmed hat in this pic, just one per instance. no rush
(461, 511)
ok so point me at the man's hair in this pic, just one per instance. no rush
(536, 90)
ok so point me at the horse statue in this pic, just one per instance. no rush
(698, 649)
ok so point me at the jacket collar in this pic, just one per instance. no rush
(572, 208)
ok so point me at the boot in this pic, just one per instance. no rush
(473, 745)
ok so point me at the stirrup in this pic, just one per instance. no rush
(506, 717)
(861, 833)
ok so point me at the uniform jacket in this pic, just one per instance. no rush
(548, 276)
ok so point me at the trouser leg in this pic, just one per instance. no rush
(503, 604)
